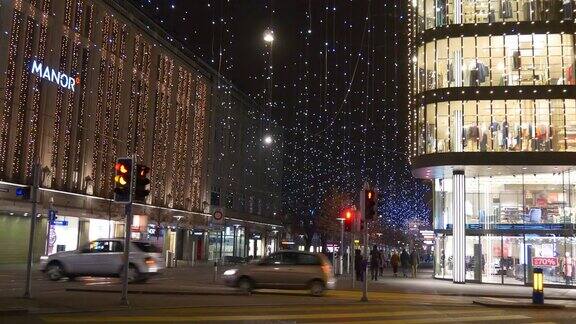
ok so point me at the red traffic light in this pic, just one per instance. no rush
(348, 214)
(348, 217)
(121, 167)
(123, 180)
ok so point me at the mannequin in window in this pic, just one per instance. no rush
(440, 13)
(567, 9)
(568, 268)
(506, 9)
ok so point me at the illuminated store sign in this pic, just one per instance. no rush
(545, 262)
(47, 73)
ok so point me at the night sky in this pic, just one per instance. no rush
(339, 88)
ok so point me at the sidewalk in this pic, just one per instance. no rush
(425, 283)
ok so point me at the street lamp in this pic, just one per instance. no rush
(268, 139)
(269, 35)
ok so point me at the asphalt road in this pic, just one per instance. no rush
(336, 307)
(54, 302)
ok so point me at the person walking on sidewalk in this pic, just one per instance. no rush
(382, 262)
(374, 262)
(358, 264)
(414, 262)
(394, 261)
(404, 262)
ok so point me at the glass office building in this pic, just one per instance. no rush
(493, 127)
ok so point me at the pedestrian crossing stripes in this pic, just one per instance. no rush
(377, 313)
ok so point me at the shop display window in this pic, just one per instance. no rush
(443, 261)
(437, 13)
(510, 60)
(512, 199)
(510, 260)
(499, 126)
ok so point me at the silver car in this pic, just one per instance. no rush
(104, 258)
(284, 270)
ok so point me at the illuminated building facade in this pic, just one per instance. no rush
(83, 82)
(493, 126)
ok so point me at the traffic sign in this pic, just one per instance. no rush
(218, 216)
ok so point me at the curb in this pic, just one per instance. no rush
(463, 295)
(166, 292)
(517, 305)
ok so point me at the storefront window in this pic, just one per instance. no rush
(500, 126)
(443, 261)
(552, 255)
(491, 259)
(473, 259)
(511, 60)
(442, 207)
(438, 13)
(63, 235)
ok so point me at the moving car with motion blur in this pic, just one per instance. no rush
(284, 270)
(104, 258)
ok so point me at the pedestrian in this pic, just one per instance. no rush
(414, 262)
(382, 261)
(394, 261)
(404, 262)
(374, 262)
(358, 264)
(364, 267)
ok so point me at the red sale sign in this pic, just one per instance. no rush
(545, 262)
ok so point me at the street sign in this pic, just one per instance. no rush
(60, 223)
(52, 217)
(218, 216)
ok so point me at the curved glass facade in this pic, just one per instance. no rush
(512, 221)
(511, 60)
(497, 77)
(438, 13)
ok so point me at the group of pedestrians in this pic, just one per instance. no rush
(378, 261)
(405, 260)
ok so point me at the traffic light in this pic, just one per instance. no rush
(23, 192)
(142, 189)
(123, 180)
(348, 219)
(370, 208)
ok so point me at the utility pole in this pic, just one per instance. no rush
(127, 233)
(365, 269)
(342, 247)
(364, 219)
(353, 261)
(34, 195)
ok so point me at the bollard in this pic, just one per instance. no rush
(215, 271)
(538, 287)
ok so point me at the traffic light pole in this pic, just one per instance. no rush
(126, 255)
(365, 268)
(353, 259)
(34, 196)
(342, 247)
(127, 233)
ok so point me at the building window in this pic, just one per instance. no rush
(511, 60)
(230, 200)
(539, 125)
(215, 198)
(437, 13)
